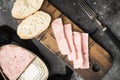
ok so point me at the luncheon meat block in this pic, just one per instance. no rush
(85, 50)
(14, 60)
(59, 34)
(69, 37)
(77, 41)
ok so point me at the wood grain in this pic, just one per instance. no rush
(98, 55)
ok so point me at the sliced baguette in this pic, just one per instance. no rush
(23, 8)
(33, 25)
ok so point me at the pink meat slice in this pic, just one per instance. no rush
(59, 34)
(77, 41)
(85, 50)
(14, 60)
(69, 37)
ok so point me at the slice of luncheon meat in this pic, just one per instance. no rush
(59, 34)
(77, 41)
(69, 37)
(85, 50)
(14, 60)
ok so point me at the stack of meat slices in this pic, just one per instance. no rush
(72, 43)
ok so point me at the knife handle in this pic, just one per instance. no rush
(108, 32)
(113, 37)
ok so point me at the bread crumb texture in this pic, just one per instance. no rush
(33, 25)
(23, 8)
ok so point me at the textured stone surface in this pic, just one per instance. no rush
(109, 14)
(108, 11)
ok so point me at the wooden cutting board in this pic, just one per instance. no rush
(97, 56)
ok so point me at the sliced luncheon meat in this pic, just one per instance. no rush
(69, 37)
(73, 44)
(77, 41)
(85, 50)
(59, 34)
(14, 60)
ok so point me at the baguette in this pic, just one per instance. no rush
(33, 25)
(23, 8)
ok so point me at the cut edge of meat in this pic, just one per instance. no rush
(58, 30)
(82, 61)
(77, 41)
(69, 37)
(25, 66)
(86, 63)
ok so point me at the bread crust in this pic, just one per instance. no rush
(33, 25)
(23, 8)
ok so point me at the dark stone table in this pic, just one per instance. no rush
(109, 14)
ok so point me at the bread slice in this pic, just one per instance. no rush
(24, 8)
(33, 25)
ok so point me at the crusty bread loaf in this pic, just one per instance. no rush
(33, 25)
(24, 8)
